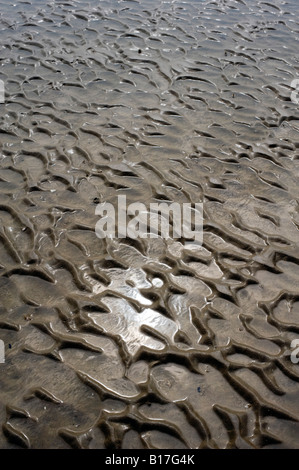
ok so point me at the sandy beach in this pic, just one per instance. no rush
(149, 343)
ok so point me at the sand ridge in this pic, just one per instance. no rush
(148, 343)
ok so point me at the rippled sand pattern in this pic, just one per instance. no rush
(149, 343)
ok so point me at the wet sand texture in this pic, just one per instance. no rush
(148, 343)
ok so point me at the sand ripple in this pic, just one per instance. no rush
(149, 343)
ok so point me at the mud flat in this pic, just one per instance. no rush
(149, 343)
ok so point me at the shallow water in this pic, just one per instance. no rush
(149, 343)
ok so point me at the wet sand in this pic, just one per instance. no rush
(148, 343)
